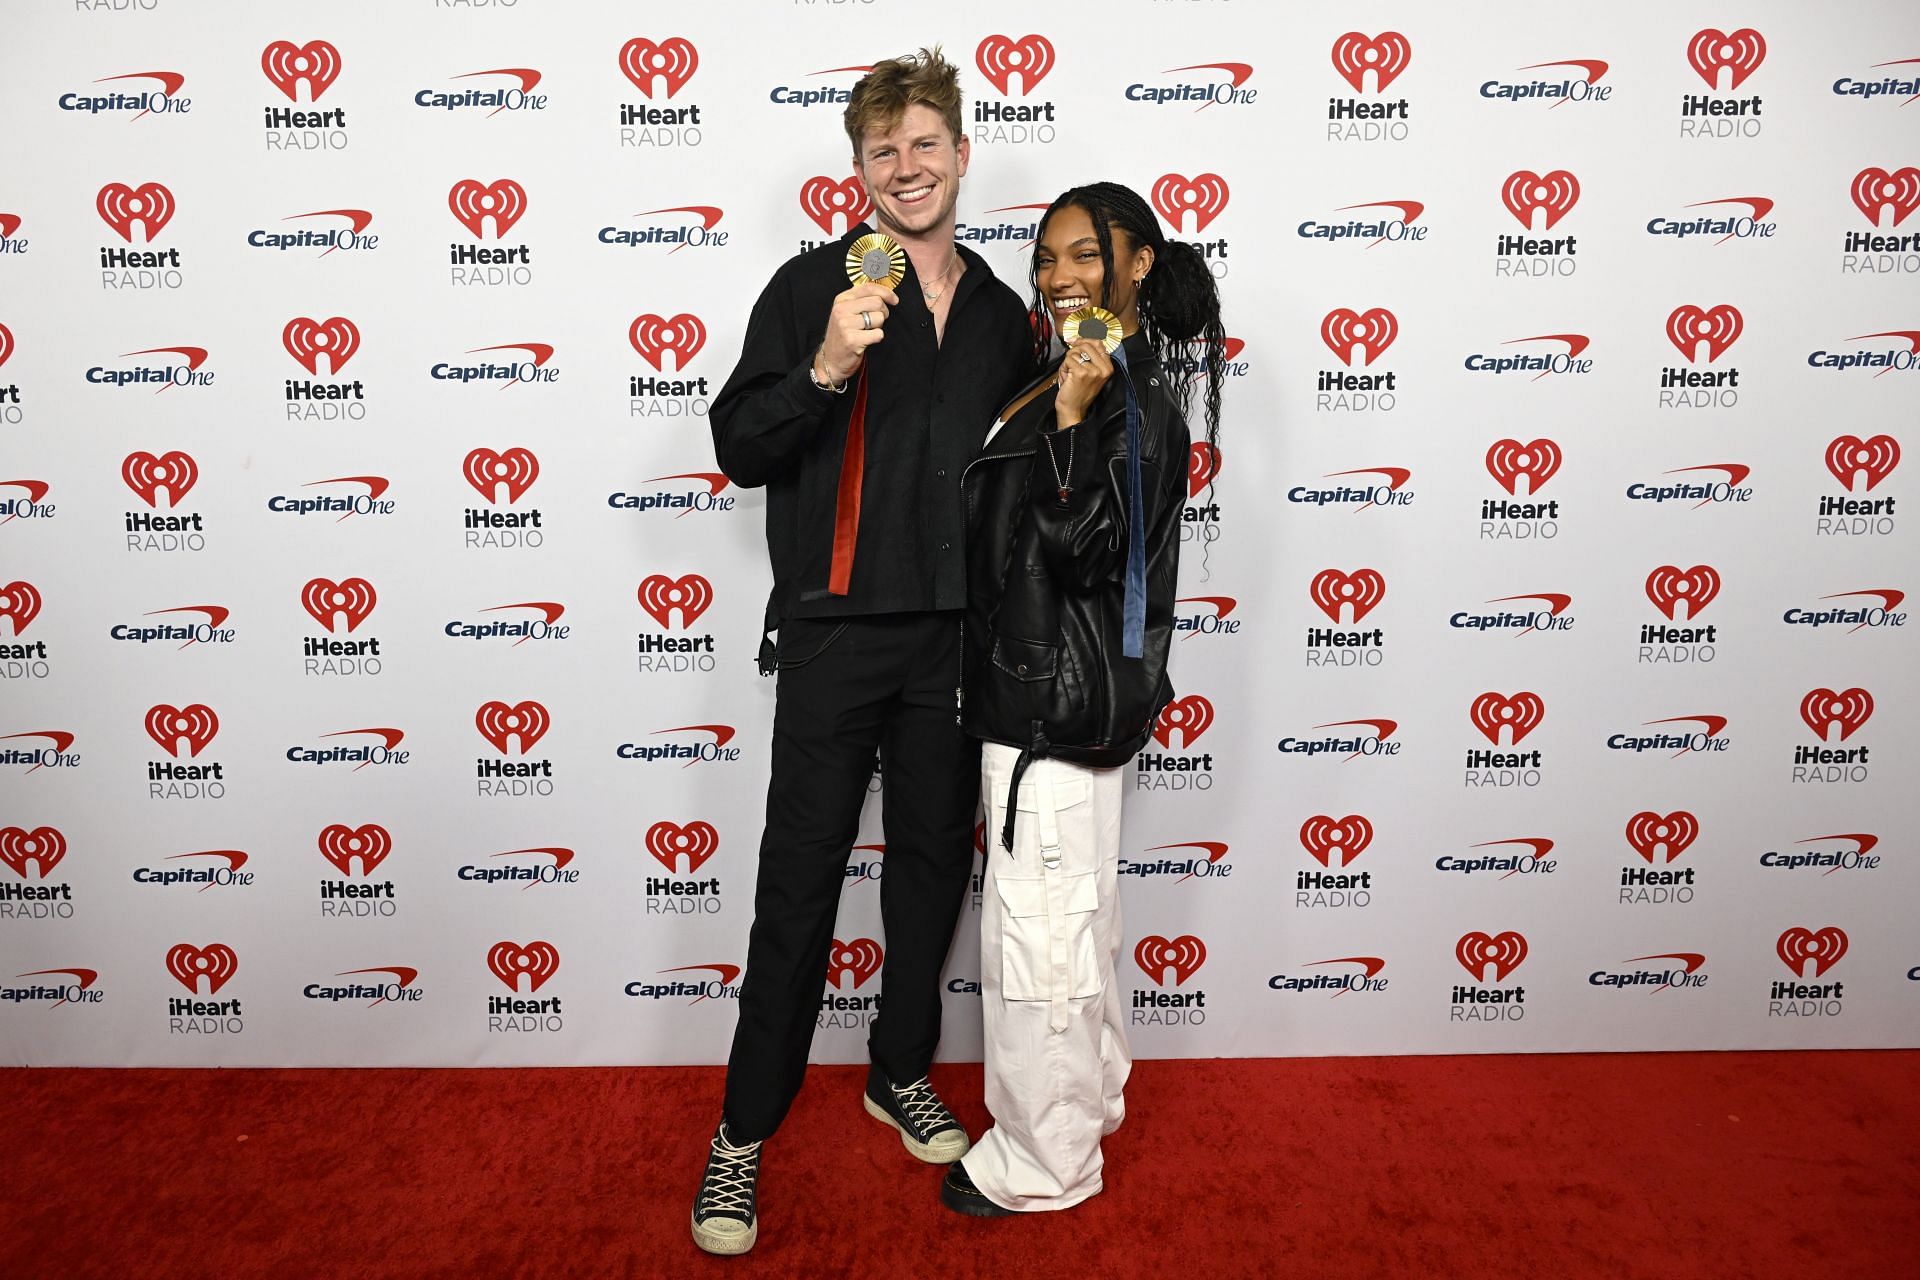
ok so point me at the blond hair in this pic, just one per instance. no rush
(883, 95)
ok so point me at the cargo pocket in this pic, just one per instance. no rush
(1047, 949)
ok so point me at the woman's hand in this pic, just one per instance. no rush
(1083, 372)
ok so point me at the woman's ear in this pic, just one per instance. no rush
(1142, 263)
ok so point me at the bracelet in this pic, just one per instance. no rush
(814, 378)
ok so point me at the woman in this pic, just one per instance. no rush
(1073, 521)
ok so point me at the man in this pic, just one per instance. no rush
(858, 408)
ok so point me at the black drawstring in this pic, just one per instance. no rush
(1039, 749)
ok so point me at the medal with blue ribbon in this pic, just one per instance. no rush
(1097, 324)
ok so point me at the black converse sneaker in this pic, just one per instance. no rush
(724, 1220)
(927, 1128)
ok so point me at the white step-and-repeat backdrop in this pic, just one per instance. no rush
(376, 632)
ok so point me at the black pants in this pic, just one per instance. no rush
(849, 688)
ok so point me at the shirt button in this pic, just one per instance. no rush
(941, 473)
(945, 546)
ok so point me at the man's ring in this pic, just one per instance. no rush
(866, 320)
(1083, 357)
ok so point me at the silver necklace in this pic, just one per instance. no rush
(933, 295)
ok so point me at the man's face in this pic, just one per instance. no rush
(913, 172)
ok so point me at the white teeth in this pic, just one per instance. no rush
(914, 194)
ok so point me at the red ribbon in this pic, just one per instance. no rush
(846, 505)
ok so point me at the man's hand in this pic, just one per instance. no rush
(857, 321)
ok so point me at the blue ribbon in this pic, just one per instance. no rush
(1133, 613)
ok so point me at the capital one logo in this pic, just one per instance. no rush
(120, 206)
(671, 61)
(1851, 459)
(146, 475)
(42, 846)
(1519, 714)
(1669, 587)
(1478, 951)
(20, 603)
(515, 469)
(1335, 842)
(654, 336)
(1648, 833)
(1509, 461)
(859, 959)
(1824, 710)
(1800, 948)
(1358, 591)
(215, 963)
(1688, 326)
(287, 64)
(823, 199)
(505, 201)
(341, 844)
(661, 595)
(307, 340)
(1183, 718)
(1875, 189)
(1343, 329)
(1203, 464)
(1386, 55)
(169, 726)
(6, 334)
(1183, 955)
(669, 842)
(351, 599)
(1552, 194)
(536, 962)
(1740, 53)
(1203, 197)
(499, 724)
(1000, 58)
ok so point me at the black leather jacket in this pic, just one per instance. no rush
(1043, 669)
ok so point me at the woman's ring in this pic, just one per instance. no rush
(1083, 357)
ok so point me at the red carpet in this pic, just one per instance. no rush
(1669, 1165)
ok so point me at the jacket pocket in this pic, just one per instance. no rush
(1026, 660)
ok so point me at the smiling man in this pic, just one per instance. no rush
(858, 409)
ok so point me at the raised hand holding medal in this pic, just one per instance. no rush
(876, 264)
(1091, 335)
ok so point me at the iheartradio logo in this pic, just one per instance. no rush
(505, 201)
(1183, 718)
(1000, 58)
(216, 963)
(1669, 588)
(1203, 197)
(6, 334)
(653, 336)
(668, 842)
(19, 602)
(1476, 951)
(287, 64)
(42, 846)
(1875, 189)
(341, 844)
(307, 340)
(536, 962)
(1553, 194)
(823, 200)
(1824, 710)
(1360, 590)
(146, 475)
(120, 206)
(1740, 52)
(1509, 461)
(859, 959)
(528, 721)
(1203, 465)
(1850, 459)
(673, 61)
(1386, 55)
(661, 595)
(196, 724)
(516, 469)
(1800, 947)
(1689, 326)
(1648, 833)
(1184, 955)
(351, 599)
(1342, 329)
(1328, 839)
(1521, 714)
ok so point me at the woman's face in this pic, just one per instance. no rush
(1068, 269)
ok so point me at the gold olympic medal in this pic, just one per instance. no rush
(1096, 323)
(877, 258)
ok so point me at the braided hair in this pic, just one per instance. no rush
(1179, 303)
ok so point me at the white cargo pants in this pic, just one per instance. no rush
(1056, 1040)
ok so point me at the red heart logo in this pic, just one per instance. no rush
(341, 844)
(1524, 191)
(1521, 713)
(1874, 188)
(823, 200)
(1184, 955)
(1475, 951)
(1360, 590)
(673, 60)
(536, 962)
(1823, 708)
(661, 595)
(196, 723)
(1184, 718)
(1849, 457)
(43, 846)
(859, 959)
(505, 201)
(215, 962)
(121, 206)
(669, 841)
(1203, 464)
(516, 468)
(146, 475)
(999, 58)
(1741, 52)
(1343, 328)
(1667, 586)
(1688, 326)
(653, 336)
(1537, 460)
(307, 340)
(498, 723)
(19, 601)
(1203, 196)
(286, 64)
(1648, 831)
(1386, 55)
(1322, 836)
(1798, 945)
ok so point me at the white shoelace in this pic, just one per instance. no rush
(728, 1187)
(923, 1106)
